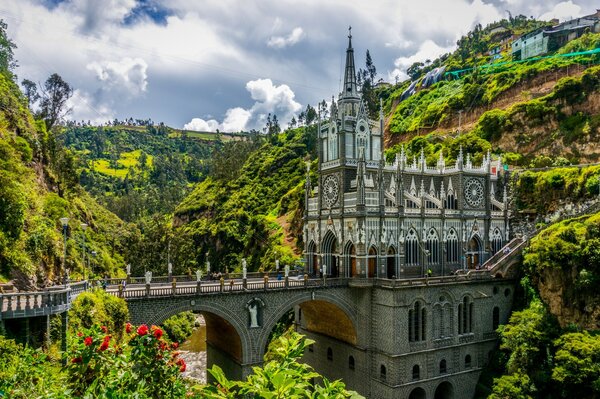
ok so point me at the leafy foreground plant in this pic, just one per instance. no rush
(281, 377)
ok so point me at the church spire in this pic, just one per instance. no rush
(350, 89)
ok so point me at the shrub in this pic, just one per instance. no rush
(98, 307)
(180, 327)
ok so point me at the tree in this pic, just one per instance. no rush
(415, 70)
(371, 70)
(55, 94)
(282, 376)
(577, 364)
(7, 62)
(30, 91)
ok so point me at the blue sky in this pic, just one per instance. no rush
(226, 64)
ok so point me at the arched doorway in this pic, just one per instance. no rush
(474, 252)
(417, 393)
(330, 256)
(372, 261)
(391, 263)
(444, 391)
(313, 259)
(350, 259)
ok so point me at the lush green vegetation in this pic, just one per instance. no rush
(137, 173)
(543, 361)
(543, 190)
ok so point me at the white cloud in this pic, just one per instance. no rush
(563, 11)
(200, 125)
(269, 99)
(126, 76)
(284, 41)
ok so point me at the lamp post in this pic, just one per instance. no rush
(65, 224)
(83, 228)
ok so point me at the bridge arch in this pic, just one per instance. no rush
(230, 316)
(348, 311)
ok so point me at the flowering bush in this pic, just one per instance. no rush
(144, 366)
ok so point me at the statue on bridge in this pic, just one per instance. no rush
(198, 275)
(254, 309)
(148, 277)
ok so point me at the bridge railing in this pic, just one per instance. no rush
(232, 285)
(166, 280)
(27, 304)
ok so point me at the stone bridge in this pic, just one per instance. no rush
(389, 338)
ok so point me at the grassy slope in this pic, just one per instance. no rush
(239, 217)
(519, 90)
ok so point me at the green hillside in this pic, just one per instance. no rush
(38, 186)
(251, 206)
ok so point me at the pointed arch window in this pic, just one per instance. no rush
(432, 245)
(465, 316)
(496, 240)
(417, 316)
(452, 248)
(450, 201)
(411, 248)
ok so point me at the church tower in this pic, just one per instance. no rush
(371, 219)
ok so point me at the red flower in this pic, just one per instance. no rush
(158, 333)
(181, 363)
(87, 341)
(175, 345)
(76, 360)
(106, 338)
(79, 334)
(104, 329)
(104, 345)
(142, 330)
(128, 328)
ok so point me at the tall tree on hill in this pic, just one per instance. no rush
(372, 71)
(55, 94)
(7, 61)
(30, 92)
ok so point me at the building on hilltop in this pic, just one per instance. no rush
(369, 218)
(551, 38)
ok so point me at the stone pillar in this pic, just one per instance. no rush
(63, 336)
(174, 286)
(147, 289)
(47, 338)
(27, 332)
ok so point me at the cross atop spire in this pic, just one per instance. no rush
(349, 36)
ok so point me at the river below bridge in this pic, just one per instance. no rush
(193, 351)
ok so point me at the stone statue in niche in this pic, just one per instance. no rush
(254, 312)
(253, 309)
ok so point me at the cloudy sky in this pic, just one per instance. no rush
(226, 64)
